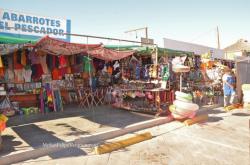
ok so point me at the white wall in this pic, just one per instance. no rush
(197, 49)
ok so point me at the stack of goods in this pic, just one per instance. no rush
(246, 96)
(183, 107)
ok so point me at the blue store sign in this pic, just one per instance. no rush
(31, 26)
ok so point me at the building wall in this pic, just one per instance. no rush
(197, 49)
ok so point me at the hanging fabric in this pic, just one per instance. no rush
(19, 75)
(23, 57)
(55, 74)
(62, 61)
(43, 63)
(165, 72)
(9, 75)
(37, 71)
(1, 73)
(87, 64)
(1, 62)
(15, 59)
(49, 61)
(27, 74)
(154, 71)
(137, 72)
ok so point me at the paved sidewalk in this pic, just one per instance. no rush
(223, 139)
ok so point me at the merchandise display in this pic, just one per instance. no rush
(53, 72)
(183, 107)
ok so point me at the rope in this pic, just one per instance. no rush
(202, 34)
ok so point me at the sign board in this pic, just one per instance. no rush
(148, 41)
(18, 24)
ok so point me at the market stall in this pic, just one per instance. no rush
(34, 75)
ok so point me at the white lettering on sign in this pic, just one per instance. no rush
(12, 22)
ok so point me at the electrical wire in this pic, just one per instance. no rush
(203, 34)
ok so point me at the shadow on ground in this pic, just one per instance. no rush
(241, 114)
(9, 144)
(73, 131)
(69, 111)
(37, 137)
(103, 115)
(214, 119)
(116, 117)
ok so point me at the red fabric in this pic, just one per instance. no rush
(109, 54)
(1, 72)
(58, 47)
(56, 75)
(16, 64)
(37, 71)
(63, 71)
(62, 61)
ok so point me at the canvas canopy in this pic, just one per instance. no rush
(14, 40)
(109, 54)
(147, 50)
(59, 47)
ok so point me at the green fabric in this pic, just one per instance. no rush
(14, 40)
(165, 76)
(122, 47)
(147, 50)
(87, 67)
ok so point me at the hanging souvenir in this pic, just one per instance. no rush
(137, 72)
(154, 71)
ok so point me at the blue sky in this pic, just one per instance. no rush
(186, 20)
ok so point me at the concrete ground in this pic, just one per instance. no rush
(223, 139)
(25, 133)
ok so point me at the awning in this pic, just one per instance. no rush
(59, 47)
(147, 50)
(109, 54)
(14, 40)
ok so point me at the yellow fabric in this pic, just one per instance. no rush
(3, 118)
(50, 99)
(1, 62)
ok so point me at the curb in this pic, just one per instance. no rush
(112, 146)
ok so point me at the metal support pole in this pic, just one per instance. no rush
(146, 33)
(181, 82)
(156, 55)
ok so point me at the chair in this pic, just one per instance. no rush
(84, 95)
